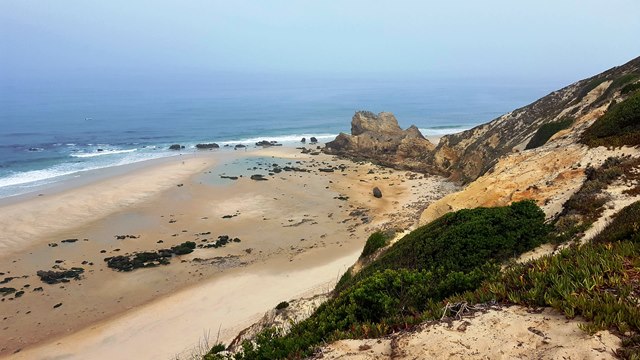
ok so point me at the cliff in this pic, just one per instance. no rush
(499, 167)
(467, 155)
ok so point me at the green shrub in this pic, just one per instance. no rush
(629, 88)
(451, 255)
(625, 226)
(375, 241)
(619, 126)
(546, 131)
(282, 305)
(464, 240)
(214, 353)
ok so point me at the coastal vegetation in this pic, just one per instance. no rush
(599, 281)
(546, 131)
(619, 126)
(375, 241)
(449, 256)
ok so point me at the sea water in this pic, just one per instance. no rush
(50, 130)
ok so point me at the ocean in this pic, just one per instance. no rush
(55, 129)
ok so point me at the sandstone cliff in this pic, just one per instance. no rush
(493, 156)
(470, 154)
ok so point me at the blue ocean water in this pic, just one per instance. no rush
(54, 128)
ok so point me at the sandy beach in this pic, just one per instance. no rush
(293, 234)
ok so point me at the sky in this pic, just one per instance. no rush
(567, 39)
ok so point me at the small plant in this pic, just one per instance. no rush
(215, 353)
(546, 131)
(375, 241)
(283, 305)
(619, 126)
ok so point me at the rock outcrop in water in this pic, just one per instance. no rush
(379, 138)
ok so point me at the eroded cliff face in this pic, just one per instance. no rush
(493, 158)
(470, 154)
(380, 139)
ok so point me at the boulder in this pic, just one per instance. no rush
(176, 147)
(377, 193)
(304, 140)
(208, 146)
(313, 140)
(265, 143)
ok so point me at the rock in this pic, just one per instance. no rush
(229, 177)
(265, 143)
(57, 305)
(313, 140)
(258, 177)
(326, 170)
(380, 138)
(208, 146)
(176, 147)
(54, 277)
(69, 240)
(7, 291)
(304, 140)
(239, 146)
(377, 193)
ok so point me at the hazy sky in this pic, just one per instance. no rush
(571, 39)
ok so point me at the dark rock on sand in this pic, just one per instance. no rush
(69, 240)
(229, 177)
(265, 143)
(176, 147)
(258, 177)
(376, 192)
(208, 146)
(7, 290)
(54, 277)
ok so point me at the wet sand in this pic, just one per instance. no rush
(298, 232)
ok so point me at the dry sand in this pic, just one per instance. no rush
(298, 230)
(510, 333)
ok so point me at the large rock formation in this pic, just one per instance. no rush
(379, 138)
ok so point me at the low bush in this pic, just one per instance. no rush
(451, 255)
(375, 241)
(546, 131)
(619, 126)
(463, 240)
